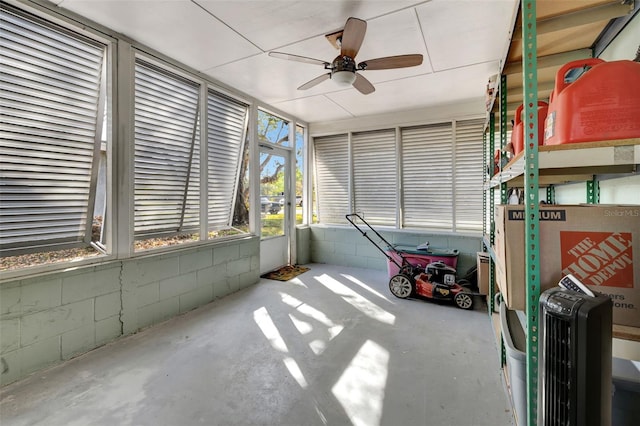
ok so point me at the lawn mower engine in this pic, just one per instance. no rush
(439, 282)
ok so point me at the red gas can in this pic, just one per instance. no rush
(517, 135)
(602, 104)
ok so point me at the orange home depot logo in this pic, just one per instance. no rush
(598, 258)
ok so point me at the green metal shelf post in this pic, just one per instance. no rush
(485, 179)
(504, 191)
(593, 191)
(551, 194)
(492, 223)
(532, 210)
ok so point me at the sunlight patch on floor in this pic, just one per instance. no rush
(304, 327)
(263, 319)
(360, 388)
(270, 330)
(366, 287)
(359, 302)
(295, 372)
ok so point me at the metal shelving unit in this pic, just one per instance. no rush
(534, 47)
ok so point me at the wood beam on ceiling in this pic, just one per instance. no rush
(581, 17)
(555, 60)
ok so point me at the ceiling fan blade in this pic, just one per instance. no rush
(390, 62)
(315, 81)
(363, 85)
(352, 37)
(297, 58)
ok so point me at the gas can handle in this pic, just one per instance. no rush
(580, 63)
(518, 117)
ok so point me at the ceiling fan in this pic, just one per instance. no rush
(344, 69)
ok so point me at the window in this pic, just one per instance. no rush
(53, 106)
(439, 167)
(299, 184)
(332, 178)
(374, 176)
(427, 176)
(274, 166)
(167, 154)
(272, 129)
(468, 175)
(168, 193)
(227, 132)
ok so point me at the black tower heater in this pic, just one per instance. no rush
(575, 359)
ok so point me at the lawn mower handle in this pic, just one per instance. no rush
(364, 234)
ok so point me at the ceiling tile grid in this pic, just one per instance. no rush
(462, 42)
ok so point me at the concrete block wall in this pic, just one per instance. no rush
(303, 247)
(53, 317)
(342, 245)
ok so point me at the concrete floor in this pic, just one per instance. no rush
(330, 347)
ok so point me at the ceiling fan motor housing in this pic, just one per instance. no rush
(343, 63)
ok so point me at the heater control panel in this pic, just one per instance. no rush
(563, 303)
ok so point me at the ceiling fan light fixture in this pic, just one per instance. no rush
(344, 78)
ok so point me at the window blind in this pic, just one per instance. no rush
(50, 81)
(166, 152)
(468, 175)
(427, 176)
(374, 176)
(227, 126)
(332, 174)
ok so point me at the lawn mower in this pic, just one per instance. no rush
(435, 280)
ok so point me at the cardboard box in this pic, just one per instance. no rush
(595, 243)
(482, 264)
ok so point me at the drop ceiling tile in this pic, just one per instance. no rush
(391, 35)
(178, 28)
(270, 79)
(460, 33)
(274, 24)
(415, 92)
(313, 109)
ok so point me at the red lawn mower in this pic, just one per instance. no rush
(435, 281)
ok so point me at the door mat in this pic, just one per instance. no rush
(285, 273)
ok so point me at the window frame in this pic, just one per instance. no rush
(193, 129)
(457, 178)
(104, 122)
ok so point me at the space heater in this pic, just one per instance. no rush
(574, 386)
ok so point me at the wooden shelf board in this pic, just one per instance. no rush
(575, 162)
(626, 332)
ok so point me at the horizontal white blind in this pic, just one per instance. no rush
(332, 172)
(374, 175)
(227, 126)
(50, 91)
(166, 153)
(427, 181)
(468, 175)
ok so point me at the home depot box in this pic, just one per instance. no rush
(482, 264)
(595, 243)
